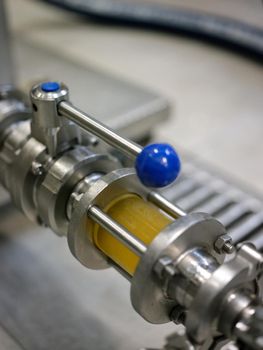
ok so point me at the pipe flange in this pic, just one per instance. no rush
(186, 233)
(101, 193)
(63, 175)
(20, 152)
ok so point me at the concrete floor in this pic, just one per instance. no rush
(217, 103)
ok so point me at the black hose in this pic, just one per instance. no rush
(220, 30)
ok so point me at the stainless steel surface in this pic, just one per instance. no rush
(17, 154)
(47, 126)
(194, 268)
(129, 148)
(82, 187)
(184, 234)
(62, 176)
(227, 278)
(103, 191)
(118, 231)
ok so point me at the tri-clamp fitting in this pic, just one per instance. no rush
(113, 216)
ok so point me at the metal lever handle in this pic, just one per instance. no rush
(157, 165)
(131, 149)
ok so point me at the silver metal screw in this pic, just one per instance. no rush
(223, 244)
(228, 248)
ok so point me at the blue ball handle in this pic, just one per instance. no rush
(158, 165)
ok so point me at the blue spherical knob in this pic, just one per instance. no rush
(50, 86)
(157, 165)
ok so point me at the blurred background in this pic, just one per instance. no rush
(213, 95)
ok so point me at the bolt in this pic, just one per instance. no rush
(228, 248)
(37, 168)
(223, 244)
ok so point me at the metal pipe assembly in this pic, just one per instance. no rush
(182, 266)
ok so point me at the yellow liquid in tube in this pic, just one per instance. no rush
(141, 218)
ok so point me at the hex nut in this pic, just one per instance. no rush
(223, 244)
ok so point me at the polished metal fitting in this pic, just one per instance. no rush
(102, 192)
(175, 241)
(19, 155)
(48, 127)
(223, 297)
(250, 252)
(64, 174)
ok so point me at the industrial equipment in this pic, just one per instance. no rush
(116, 202)
(64, 169)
